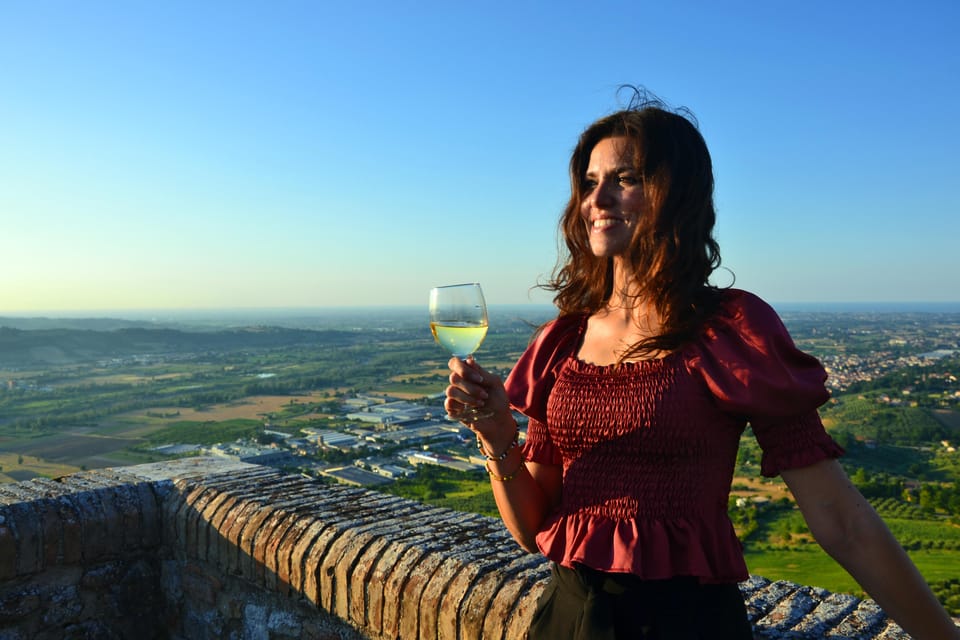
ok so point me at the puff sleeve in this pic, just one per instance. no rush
(531, 380)
(753, 369)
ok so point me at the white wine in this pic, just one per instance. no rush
(459, 338)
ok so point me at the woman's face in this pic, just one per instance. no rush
(613, 198)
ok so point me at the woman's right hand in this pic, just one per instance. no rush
(472, 386)
(525, 491)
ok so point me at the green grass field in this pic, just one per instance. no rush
(812, 566)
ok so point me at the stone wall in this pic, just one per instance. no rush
(206, 548)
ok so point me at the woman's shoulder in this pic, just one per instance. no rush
(555, 339)
(742, 302)
(743, 312)
(564, 327)
(750, 362)
(532, 376)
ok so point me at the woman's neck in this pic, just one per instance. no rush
(625, 298)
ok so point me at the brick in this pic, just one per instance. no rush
(411, 596)
(892, 631)
(101, 576)
(519, 621)
(505, 601)
(195, 523)
(381, 569)
(365, 590)
(830, 610)
(8, 548)
(71, 534)
(393, 590)
(764, 600)
(290, 555)
(275, 532)
(300, 560)
(205, 527)
(112, 521)
(451, 600)
(344, 561)
(361, 584)
(26, 530)
(51, 537)
(186, 518)
(345, 554)
(199, 585)
(15, 607)
(791, 610)
(150, 522)
(247, 540)
(864, 621)
(233, 528)
(429, 609)
(126, 500)
(476, 604)
(254, 536)
(172, 504)
(317, 573)
(279, 535)
(459, 560)
(213, 530)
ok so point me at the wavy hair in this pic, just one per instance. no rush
(673, 251)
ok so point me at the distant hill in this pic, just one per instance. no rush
(89, 324)
(19, 347)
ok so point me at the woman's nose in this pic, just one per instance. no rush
(603, 194)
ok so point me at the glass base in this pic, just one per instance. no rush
(471, 415)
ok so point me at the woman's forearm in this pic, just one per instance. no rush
(849, 529)
(880, 565)
(522, 502)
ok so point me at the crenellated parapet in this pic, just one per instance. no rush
(205, 547)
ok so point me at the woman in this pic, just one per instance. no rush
(637, 395)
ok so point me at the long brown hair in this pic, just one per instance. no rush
(673, 251)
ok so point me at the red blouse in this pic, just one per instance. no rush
(648, 448)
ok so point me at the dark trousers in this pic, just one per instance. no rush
(584, 604)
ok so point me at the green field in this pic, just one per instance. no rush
(812, 566)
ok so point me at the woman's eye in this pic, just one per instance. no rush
(589, 185)
(628, 180)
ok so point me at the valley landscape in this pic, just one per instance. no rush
(353, 397)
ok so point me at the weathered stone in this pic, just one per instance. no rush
(22, 517)
(474, 607)
(505, 601)
(764, 600)
(303, 561)
(865, 621)
(17, 606)
(391, 567)
(8, 548)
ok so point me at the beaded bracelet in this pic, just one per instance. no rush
(502, 456)
(508, 477)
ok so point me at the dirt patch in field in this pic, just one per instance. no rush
(22, 476)
(70, 446)
(757, 488)
(253, 408)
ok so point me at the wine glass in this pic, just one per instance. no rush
(458, 322)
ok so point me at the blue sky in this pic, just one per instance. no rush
(297, 154)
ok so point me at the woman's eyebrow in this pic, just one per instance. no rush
(618, 169)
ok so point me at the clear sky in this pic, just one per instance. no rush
(295, 154)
